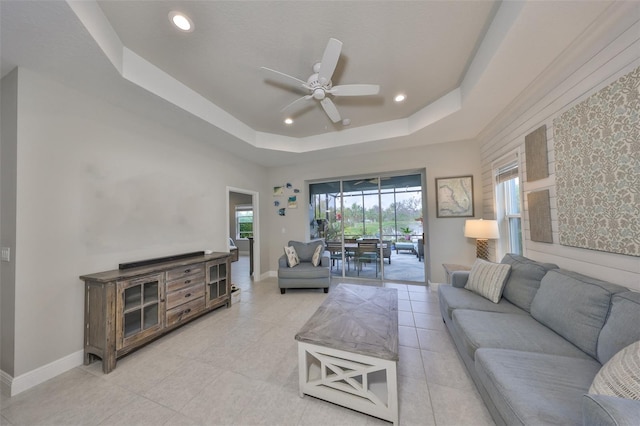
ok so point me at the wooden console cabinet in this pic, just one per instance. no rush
(127, 308)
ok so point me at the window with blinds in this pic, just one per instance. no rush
(508, 206)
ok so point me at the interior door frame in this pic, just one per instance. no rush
(255, 195)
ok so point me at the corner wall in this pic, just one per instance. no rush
(8, 154)
(96, 186)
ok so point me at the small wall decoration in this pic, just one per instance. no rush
(540, 216)
(597, 163)
(535, 145)
(454, 197)
(292, 203)
(278, 190)
(276, 203)
(282, 211)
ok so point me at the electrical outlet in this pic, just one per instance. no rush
(6, 254)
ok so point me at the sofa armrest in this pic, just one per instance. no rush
(282, 262)
(325, 262)
(459, 278)
(609, 410)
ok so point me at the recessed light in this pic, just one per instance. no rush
(288, 121)
(181, 21)
(400, 98)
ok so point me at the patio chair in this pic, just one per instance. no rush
(335, 253)
(367, 252)
(386, 250)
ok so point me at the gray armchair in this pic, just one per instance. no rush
(304, 275)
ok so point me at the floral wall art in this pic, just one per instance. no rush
(597, 150)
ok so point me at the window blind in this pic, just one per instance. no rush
(508, 172)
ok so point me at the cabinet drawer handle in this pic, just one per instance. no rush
(187, 295)
(186, 311)
(186, 271)
(187, 281)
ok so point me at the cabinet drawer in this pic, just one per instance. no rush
(184, 311)
(184, 271)
(184, 282)
(184, 295)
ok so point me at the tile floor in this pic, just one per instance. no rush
(238, 366)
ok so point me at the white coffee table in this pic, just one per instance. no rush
(348, 350)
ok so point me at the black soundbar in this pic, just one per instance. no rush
(148, 262)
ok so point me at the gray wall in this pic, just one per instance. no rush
(446, 241)
(97, 186)
(8, 155)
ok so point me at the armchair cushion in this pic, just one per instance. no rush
(305, 250)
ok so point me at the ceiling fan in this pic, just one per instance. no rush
(373, 181)
(319, 84)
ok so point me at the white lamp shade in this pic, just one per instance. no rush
(481, 229)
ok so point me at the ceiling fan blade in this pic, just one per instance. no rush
(355, 90)
(307, 97)
(281, 77)
(331, 110)
(329, 60)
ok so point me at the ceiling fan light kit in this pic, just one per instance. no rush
(319, 84)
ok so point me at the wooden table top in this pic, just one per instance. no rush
(356, 318)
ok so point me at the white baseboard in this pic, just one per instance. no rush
(41, 374)
(5, 383)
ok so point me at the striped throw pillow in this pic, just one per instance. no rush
(620, 376)
(488, 279)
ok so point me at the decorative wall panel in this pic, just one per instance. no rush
(597, 151)
(535, 145)
(540, 216)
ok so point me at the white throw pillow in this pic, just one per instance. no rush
(317, 255)
(488, 279)
(292, 256)
(620, 376)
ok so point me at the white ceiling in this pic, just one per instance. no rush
(460, 63)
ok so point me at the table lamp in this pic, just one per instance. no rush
(482, 231)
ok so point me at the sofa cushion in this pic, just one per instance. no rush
(451, 298)
(609, 410)
(292, 256)
(621, 375)
(622, 327)
(575, 306)
(305, 250)
(535, 388)
(487, 279)
(476, 329)
(524, 279)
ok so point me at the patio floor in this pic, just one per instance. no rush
(404, 266)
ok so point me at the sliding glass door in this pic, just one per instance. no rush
(373, 226)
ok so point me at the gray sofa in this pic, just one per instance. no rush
(304, 275)
(534, 355)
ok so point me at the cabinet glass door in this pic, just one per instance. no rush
(217, 281)
(138, 309)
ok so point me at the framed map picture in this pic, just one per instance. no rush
(454, 196)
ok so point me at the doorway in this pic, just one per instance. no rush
(243, 224)
(373, 226)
